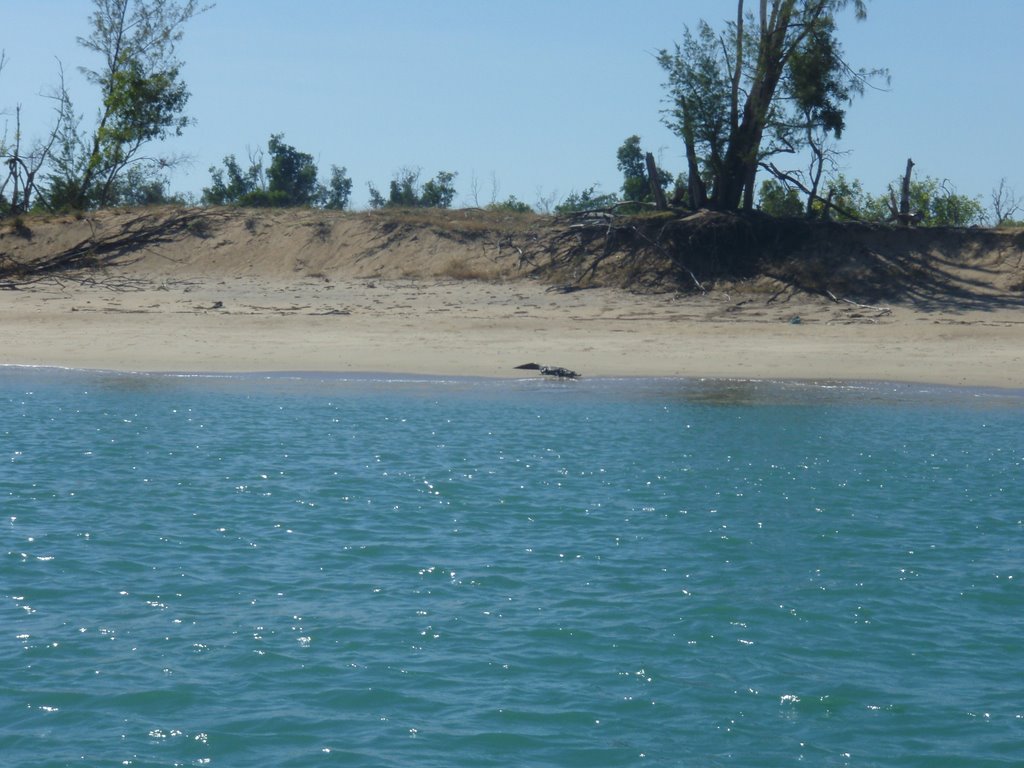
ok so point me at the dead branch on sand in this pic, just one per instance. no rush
(840, 300)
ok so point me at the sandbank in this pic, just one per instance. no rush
(473, 328)
(245, 291)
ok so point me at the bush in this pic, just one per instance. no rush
(778, 199)
(291, 180)
(406, 192)
(511, 205)
(587, 200)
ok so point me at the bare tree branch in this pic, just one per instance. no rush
(1005, 203)
(791, 179)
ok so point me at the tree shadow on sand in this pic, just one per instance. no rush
(934, 269)
(127, 241)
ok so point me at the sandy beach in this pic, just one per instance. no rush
(234, 308)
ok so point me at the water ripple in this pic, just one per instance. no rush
(296, 571)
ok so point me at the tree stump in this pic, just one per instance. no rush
(655, 181)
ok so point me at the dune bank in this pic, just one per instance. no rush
(307, 291)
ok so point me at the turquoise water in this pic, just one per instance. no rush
(306, 571)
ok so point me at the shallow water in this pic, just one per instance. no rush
(311, 570)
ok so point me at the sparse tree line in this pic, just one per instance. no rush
(765, 94)
(935, 202)
(932, 202)
(143, 98)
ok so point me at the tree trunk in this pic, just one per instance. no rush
(739, 167)
(655, 181)
(734, 186)
(116, 19)
(904, 215)
(779, 35)
(697, 190)
(741, 158)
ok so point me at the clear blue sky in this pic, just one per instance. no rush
(535, 94)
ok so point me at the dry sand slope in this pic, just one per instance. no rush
(471, 293)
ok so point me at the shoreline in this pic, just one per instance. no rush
(454, 294)
(883, 388)
(443, 328)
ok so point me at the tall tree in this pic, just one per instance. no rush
(439, 192)
(338, 190)
(142, 94)
(634, 171)
(292, 174)
(763, 77)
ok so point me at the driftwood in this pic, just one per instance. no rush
(880, 310)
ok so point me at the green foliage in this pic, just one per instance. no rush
(405, 188)
(376, 198)
(291, 176)
(636, 185)
(680, 190)
(587, 200)
(339, 190)
(778, 199)
(941, 206)
(61, 188)
(406, 191)
(936, 203)
(290, 180)
(876, 208)
(760, 87)
(238, 186)
(59, 194)
(142, 100)
(266, 198)
(699, 87)
(511, 205)
(439, 192)
(142, 97)
(849, 196)
(817, 79)
(141, 106)
(138, 187)
(634, 170)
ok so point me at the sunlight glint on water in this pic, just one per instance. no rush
(298, 571)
